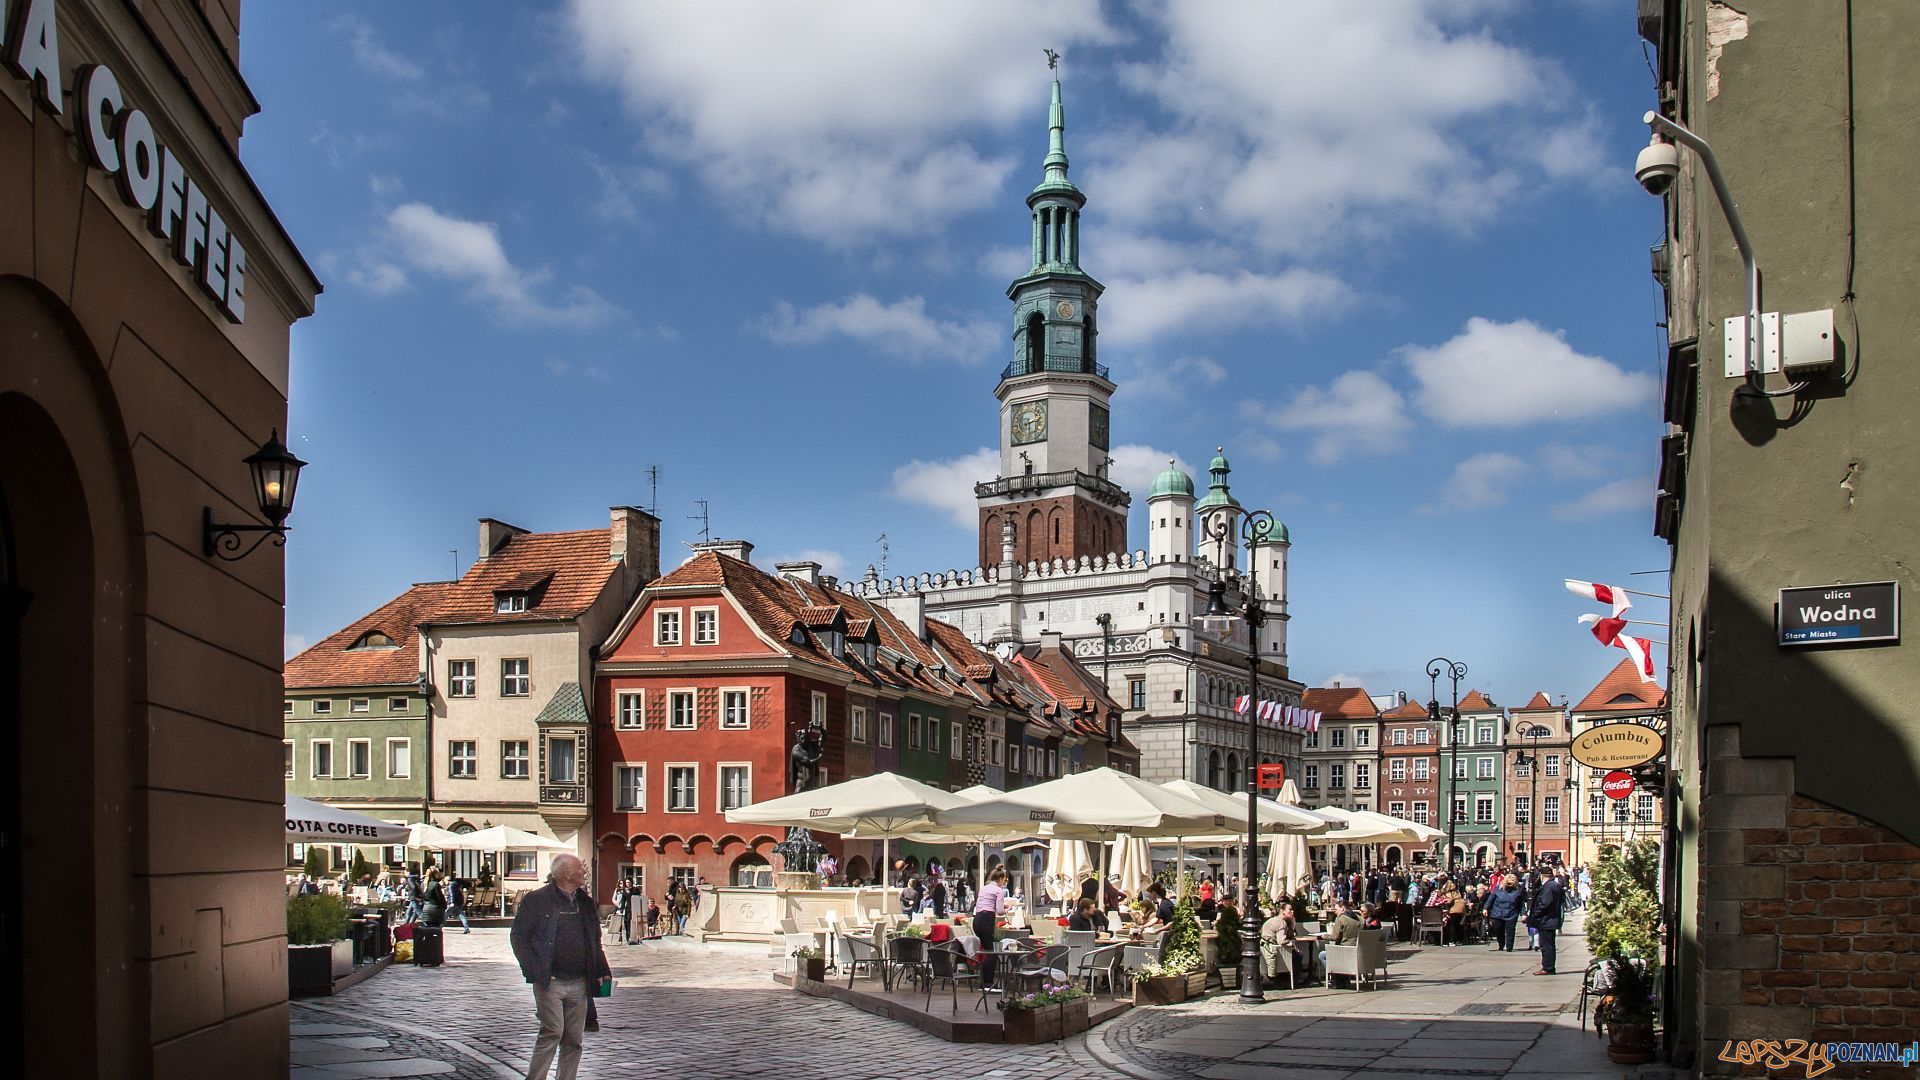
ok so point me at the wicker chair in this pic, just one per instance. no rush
(856, 952)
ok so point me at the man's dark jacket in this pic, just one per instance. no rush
(534, 930)
(1503, 903)
(1547, 903)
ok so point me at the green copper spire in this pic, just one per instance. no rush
(1217, 493)
(1056, 138)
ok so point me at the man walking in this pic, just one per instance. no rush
(457, 904)
(623, 907)
(556, 939)
(1544, 919)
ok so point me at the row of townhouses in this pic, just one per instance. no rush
(1509, 775)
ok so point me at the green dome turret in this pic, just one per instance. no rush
(1174, 481)
(1217, 493)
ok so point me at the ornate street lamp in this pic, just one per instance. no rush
(1254, 530)
(1535, 732)
(1455, 672)
(276, 474)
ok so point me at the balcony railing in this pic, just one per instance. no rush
(1075, 367)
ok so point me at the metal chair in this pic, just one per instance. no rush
(1430, 920)
(1078, 942)
(1101, 961)
(948, 961)
(1045, 963)
(858, 952)
(907, 953)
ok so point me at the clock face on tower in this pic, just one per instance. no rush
(1097, 427)
(1030, 422)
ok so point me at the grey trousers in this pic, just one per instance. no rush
(562, 1008)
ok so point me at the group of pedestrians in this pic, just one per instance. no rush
(631, 905)
(435, 899)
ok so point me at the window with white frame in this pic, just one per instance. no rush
(1399, 736)
(286, 747)
(1336, 776)
(1310, 776)
(516, 679)
(953, 743)
(399, 759)
(461, 680)
(1522, 768)
(515, 762)
(680, 710)
(1549, 809)
(399, 705)
(1596, 809)
(1486, 735)
(1337, 738)
(286, 707)
(733, 708)
(1643, 808)
(913, 731)
(463, 761)
(1362, 775)
(1484, 768)
(1460, 807)
(998, 749)
(1053, 762)
(359, 758)
(683, 789)
(630, 788)
(1553, 764)
(523, 864)
(630, 709)
(509, 603)
(563, 759)
(857, 723)
(1313, 740)
(819, 714)
(1459, 768)
(1362, 737)
(1422, 769)
(1422, 736)
(359, 705)
(1397, 809)
(1420, 812)
(322, 706)
(1397, 771)
(736, 786)
(886, 729)
(1522, 809)
(706, 626)
(666, 627)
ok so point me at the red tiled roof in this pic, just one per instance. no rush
(1538, 704)
(335, 662)
(1340, 702)
(1412, 710)
(575, 565)
(1475, 701)
(1622, 691)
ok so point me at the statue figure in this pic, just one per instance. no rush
(804, 760)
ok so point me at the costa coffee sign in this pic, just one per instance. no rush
(1618, 785)
(120, 141)
(1617, 746)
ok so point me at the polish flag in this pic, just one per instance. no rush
(1607, 631)
(1605, 594)
(1240, 703)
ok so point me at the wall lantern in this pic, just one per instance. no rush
(276, 473)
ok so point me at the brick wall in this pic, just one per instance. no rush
(1084, 528)
(1810, 916)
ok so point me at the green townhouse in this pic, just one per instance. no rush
(358, 723)
(1478, 760)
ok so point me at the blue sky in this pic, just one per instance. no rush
(1390, 255)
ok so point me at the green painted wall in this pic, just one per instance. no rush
(379, 723)
(928, 762)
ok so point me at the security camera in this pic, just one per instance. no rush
(1657, 165)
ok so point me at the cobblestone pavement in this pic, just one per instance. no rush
(680, 1009)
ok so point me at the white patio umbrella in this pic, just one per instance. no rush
(886, 806)
(1366, 827)
(1091, 805)
(980, 793)
(429, 837)
(316, 822)
(1288, 868)
(1067, 866)
(1131, 863)
(505, 838)
(1274, 818)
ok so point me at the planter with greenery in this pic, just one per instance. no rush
(1629, 1010)
(1226, 945)
(315, 866)
(318, 950)
(1048, 1014)
(1624, 917)
(809, 964)
(361, 871)
(1156, 984)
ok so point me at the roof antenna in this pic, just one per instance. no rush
(653, 483)
(884, 549)
(455, 552)
(706, 522)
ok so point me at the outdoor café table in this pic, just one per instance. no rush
(1308, 945)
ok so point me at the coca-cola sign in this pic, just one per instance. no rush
(1618, 785)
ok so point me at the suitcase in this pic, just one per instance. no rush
(428, 950)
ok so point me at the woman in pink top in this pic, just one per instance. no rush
(987, 909)
(1206, 889)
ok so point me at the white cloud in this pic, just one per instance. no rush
(470, 252)
(1135, 466)
(377, 277)
(1481, 481)
(902, 328)
(1150, 379)
(831, 562)
(1581, 462)
(1357, 413)
(620, 186)
(292, 645)
(838, 121)
(1310, 123)
(1507, 374)
(1617, 497)
(1138, 310)
(947, 486)
(372, 55)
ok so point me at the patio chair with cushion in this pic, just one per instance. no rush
(1430, 920)
(1048, 963)
(1101, 962)
(856, 952)
(947, 962)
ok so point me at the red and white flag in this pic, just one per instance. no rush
(1605, 594)
(1240, 703)
(1607, 631)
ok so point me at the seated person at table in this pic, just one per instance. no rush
(1344, 931)
(1082, 917)
(1369, 917)
(1162, 907)
(1279, 937)
(1145, 917)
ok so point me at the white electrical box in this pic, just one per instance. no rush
(1807, 340)
(1736, 345)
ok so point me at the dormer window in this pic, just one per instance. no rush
(509, 603)
(374, 639)
(867, 652)
(799, 635)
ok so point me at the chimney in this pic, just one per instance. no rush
(1336, 684)
(909, 608)
(803, 569)
(1049, 641)
(495, 533)
(738, 549)
(635, 541)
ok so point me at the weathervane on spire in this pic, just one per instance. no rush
(1053, 59)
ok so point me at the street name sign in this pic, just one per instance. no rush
(1617, 746)
(1840, 614)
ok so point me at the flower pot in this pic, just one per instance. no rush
(1630, 1044)
(311, 969)
(1160, 990)
(1073, 1016)
(1196, 983)
(1229, 977)
(813, 970)
(1026, 1026)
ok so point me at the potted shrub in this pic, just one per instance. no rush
(315, 866)
(362, 871)
(1053, 1012)
(1158, 984)
(1226, 945)
(1629, 1009)
(318, 950)
(809, 964)
(1192, 966)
